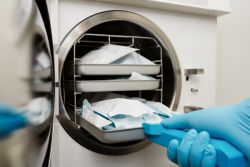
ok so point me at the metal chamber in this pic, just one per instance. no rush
(123, 28)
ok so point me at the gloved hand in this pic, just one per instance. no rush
(194, 150)
(10, 120)
(231, 123)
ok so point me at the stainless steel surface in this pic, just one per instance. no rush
(112, 136)
(23, 37)
(193, 71)
(113, 69)
(116, 85)
(192, 108)
(109, 36)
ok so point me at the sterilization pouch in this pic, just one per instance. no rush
(137, 76)
(106, 54)
(133, 58)
(94, 118)
(121, 113)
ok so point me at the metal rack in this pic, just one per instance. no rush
(91, 41)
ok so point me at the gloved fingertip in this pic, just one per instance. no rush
(183, 152)
(204, 136)
(209, 157)
(210, 150)
(192, 133)
(197, 149)
(172, 150)
(176, 122)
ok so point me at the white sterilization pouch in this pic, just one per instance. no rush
(160, 108)
(133, 58)
(94, 118)
(137, 76)
(106, 54)
(120, 106)
(128, 122)
(120, 113)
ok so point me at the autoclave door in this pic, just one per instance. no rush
(27, 83)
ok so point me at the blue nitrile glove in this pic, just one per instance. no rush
(231, 123)
(194, 150)
(10, 120)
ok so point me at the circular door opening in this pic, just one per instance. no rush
(120, 28)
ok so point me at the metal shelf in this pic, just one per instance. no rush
(113, 69)
(114, 85)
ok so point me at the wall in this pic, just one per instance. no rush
(234, 53)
